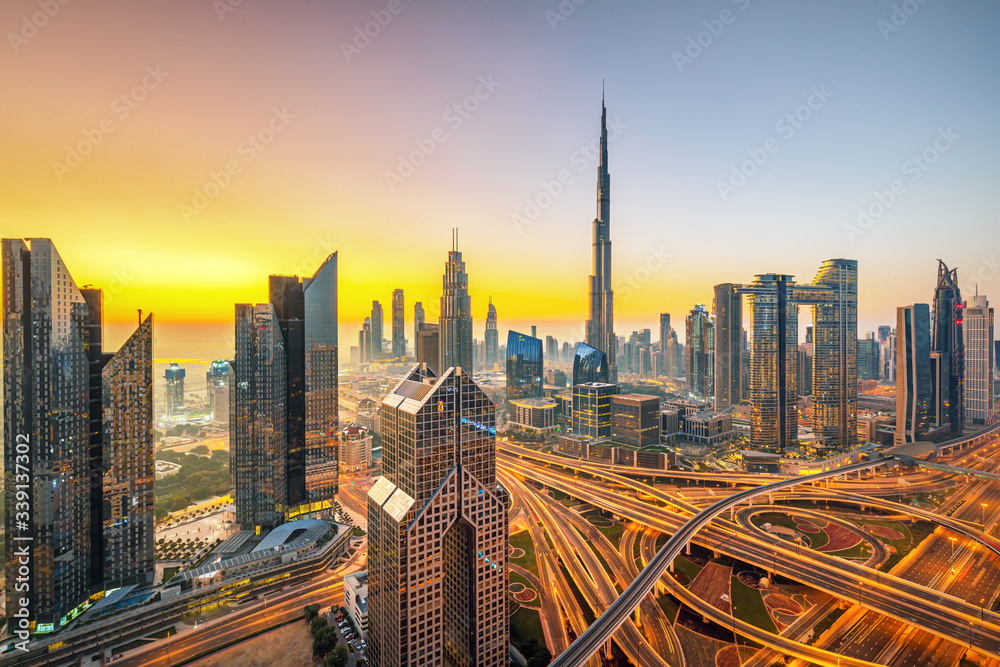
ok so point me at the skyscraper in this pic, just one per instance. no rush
(77, 439)
(913, 372)
(429, 344)
(524, 366)
(377, 321)
(127, 520)
(592, 409)
(418, 319)
(217, 382)
(664, 330)
(947, 340)
(834, 295)
(257, 430)
(700, 351)
(600, 325)
(365, 341)
(456, 313)
(174, 376)
(728, 373)
(887, 358)
(437, 522)
(977, 327)
(492, 337)
(589, 365)
(398, 324)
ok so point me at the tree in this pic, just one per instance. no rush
(316, 624)
(325, 640)
(201, 450)
(338, 657)
(311, 611)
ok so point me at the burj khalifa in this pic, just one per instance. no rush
(601, 321)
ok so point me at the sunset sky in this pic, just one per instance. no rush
(311, 121)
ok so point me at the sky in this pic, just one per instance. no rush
(179, 152)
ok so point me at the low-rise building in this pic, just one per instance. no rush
(707, 427)
(635, 419)
(356, 600)
(536, 415)
(355, 448)
(670, 424)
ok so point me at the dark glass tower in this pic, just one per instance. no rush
(524, 366)
(727, 376)
(913, 372)
(947, 340)
(437, 525)
(700, 352)
(398, 323)
(600, 325)
(456, 313)
(589, 365)
(377, 322)
(418, 319)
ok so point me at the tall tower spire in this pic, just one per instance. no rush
(600, 328)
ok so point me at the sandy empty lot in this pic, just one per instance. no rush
(288, 646)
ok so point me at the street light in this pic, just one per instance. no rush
(984, 515)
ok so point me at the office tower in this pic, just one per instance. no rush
(377, 322)
(887, 358)
(635, 419)
(728, 373)
(664, 329)
(524, 366)
(947, 340)
(773, 363)
(746, 366)
(77, 421)
(592, 409)
(418, 319)
(126, 519)
(600, 325)
(286, 297)
(257, 432)
(398, 322)
(868, 358)
(555, 377)
(428, 344)
(551, 348)
(913, 372)
(883, 332)
(700, 350)
(809, 334)
(977, 327)
(834, 297)
(589, 365)
(174, 376)
(365, 341)
(217, 382)
(534, 331)
(437, 526)
(805, 361)
(456, 313)
(492, 336)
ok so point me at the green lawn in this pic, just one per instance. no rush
(525, 625)
(588, 613)
(775, 519)
(687, 568)
(817, 539)
(668, 606)
(168, 573)
(522, 540)
(825, 623)
(750, 606)
(513, 577)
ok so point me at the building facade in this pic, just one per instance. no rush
(728, 371)
(592, 409)
(536, 415)
(492, 337)
(398, 325)
(524, 366)
(455, 341)
(700, 352)
(378, 321)
(977, 328)
(418, 320)
(635, 419)
(428, 344)
(589, 365)
(217, 386)
(913, 372)
(355, 449)
(437, 522)
(948, 342)
(174, 377)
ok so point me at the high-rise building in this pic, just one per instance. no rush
(551, 348)
(257, 412)
(126, 519)
(869, 357)
(773, 363)
(377, 322)
(492, 337)
(437, 525)
(418, 319)
(913, 372)
(600, 325)
(635, 419)
(306, 352)
(174, 377)
(947, 340)
(805, 357)
(365, 341)
(728, 373)
(589, 365)
(700, 343)
(82, 436)
(429, 344)
(592, 409)
(883, 332)
(456, 313)
(834, 296)
(217, 384)
(977, 328)
(887, 357)
(567, 352)
(398, 324)
(524, 366)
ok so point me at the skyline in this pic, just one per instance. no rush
(887, 96)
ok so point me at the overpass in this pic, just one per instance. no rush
(969, 440)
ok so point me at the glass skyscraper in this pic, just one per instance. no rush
(700, 329)
(589, 365)
(455, 335)
(913, 372)
(524, 366)
(437, 525)
(377, 323)
(947, 340)
(727, 377)
(492, 337)
(398, 324)
(977, 328)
